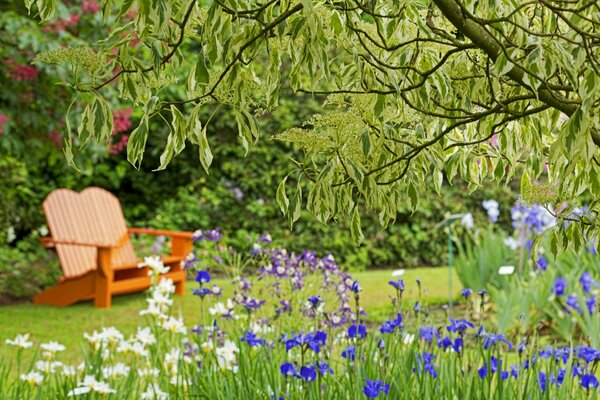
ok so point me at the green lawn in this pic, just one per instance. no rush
(68, 324)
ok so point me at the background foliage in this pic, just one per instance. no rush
(238, 195)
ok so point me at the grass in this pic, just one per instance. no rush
(67, 325)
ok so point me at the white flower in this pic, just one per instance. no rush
(220, 310)
(156, 266)
(119, 369)
(69, 370)
(408, 338)
(165, 286)
(153, 309)
(48, 367)
(174, 325)
(148, 372)
(145, 336)
(226, 356)
(52, 347)
(491, 206)
(153, 392)
(21, 341)
(207, 346)
(467, 221)
(261, 329)
(90, 384)
(107, 337)
(33, 378)
(512, 243)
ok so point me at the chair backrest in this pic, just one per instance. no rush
(94, 217)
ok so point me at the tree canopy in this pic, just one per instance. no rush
(414, 90)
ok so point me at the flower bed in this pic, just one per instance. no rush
(297, 331)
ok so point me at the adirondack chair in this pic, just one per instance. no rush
(93, 244)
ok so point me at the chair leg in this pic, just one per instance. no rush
(104, 278)
(180, 287)
(102, 298)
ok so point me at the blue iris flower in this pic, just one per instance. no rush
(494, 365)
(589, 381)
(587, 282)
(323, 368)
(350, 353)
(560, 284)
(542, 381)
(427, 333)
(399, 284)
(201, 292)
(591, 304)
(308, 374)
(252, 339)
(573, 303)
(459, 325)
(312, 340)
(202, 277)
(491, 339)
(466, 293)
(288, 369)
(542, 263)
(373, 388)
(390, 326)
(315, 300)
(359, 331)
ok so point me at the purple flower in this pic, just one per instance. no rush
(359, 331)
(482, 292)
(390, 326)
(373, 388)
(252, 339)
(417, 307)
(308, 374)
(589, 381)
(457, 345)
(315, 301)
(202, 277)
(493, 364)
(288, 369)
(459, 325)
(560, 284)
(426, 360)
(466, 293)
(266, 238)
(350, 353)
(542, 263)
(323, 368)
(514, 371)
(399, 284)
(427, 333)
(591, 304)
(587, 282)
(201, 292)
(312, 340)
(542, 381)
(573, 303)
(355, 287)
(491, 339)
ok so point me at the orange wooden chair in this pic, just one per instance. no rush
(90, 235)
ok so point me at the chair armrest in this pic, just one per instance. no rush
(161, 232)
(49, 242)
(46, 242)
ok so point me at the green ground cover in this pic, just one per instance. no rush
(67, 325)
